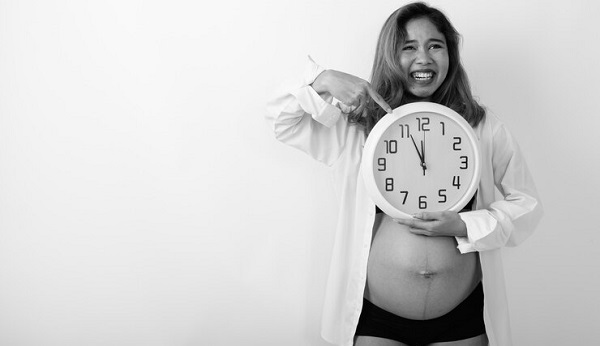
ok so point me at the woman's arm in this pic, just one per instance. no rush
(354, 93)
(506, 222)
(303, 115)
(509, 221)
(303, 119)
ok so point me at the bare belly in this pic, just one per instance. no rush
(415, 276)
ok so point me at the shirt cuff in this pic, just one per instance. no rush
(310, 101)
(464, 246)
(479, 225)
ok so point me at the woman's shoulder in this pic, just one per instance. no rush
(491, 119)
(494, 134)
(490, 124)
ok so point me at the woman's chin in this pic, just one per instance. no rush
(419, 95)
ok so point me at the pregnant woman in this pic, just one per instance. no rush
(435, 279)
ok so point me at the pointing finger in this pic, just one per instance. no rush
(379, 100)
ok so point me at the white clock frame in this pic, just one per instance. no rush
(368, 165)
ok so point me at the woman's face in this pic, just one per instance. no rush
(424, 58)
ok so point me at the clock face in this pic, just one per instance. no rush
(423, 157)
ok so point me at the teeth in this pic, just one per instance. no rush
(422, 75)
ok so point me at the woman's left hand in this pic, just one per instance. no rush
(436, 224)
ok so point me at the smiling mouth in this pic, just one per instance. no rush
(422, 76)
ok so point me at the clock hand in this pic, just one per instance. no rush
(418, 152)
(423, 164)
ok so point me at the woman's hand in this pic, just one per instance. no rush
(436, 224)
(354, 93)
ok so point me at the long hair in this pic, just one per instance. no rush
(389, 81)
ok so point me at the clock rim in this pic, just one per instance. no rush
(379, 129)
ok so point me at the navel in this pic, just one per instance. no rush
(426, 274)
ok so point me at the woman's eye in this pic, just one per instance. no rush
(409, 48)
(435, 46)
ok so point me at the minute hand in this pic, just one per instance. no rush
(423, 163)
(417, 149)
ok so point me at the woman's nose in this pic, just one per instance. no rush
(423, 56)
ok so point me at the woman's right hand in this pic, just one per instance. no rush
(354, 93)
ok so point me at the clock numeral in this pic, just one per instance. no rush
(389, 184)
(381, 162)
(423, 124)
(391, 146)
(443, 128)
(457, 141)
(442, 194)
(422, 202)
(404, 131)
(456, 181)
(464, 160)
(405, 193)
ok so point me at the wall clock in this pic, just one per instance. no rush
(422, 157)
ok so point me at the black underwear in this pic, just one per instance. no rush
(463, 322)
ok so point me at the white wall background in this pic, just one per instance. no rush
(143, 200)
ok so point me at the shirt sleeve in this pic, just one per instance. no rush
(302, 118)
(509, 221)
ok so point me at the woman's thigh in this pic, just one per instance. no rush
(480, 340)
(362, 340)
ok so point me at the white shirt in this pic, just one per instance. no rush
(303, 119)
